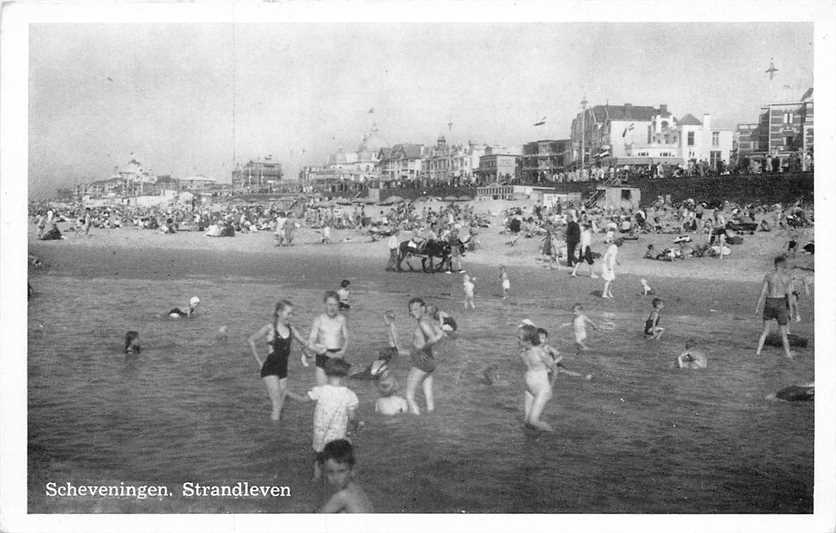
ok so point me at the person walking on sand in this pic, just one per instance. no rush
(393, 245)
(427, 333)
(585, 250)
(329, 335)
(278, 335)
(469, 292)
(775, 298)
(573, 237)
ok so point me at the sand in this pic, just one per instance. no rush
(748, 262)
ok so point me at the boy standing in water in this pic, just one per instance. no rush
(427, 332)
(538, 388)
(343, 292)
(775, 297)
(338, 465)
(329, 335)
(506, 283)
(651, 325)
(469, 288)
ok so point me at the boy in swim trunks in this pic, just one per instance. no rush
(775, 297)
(538, 388)
(651, 325)
(338, 465)
(343, 292)
(329, 335)
(389, 403)
(692, 357)
(427, 333)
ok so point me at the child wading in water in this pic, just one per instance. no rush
(506, 283)
(556, 357)
(389, 403)
(579, 327)
(469, 288)
(338, 465)
(538, 387)
(336, 405)
(427, 332)
(651, 325)
(343, 292)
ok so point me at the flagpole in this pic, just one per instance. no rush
(583, 133)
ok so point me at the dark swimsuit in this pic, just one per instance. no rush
(423, 359)
(322, 358)
(650, 324)
(177, 311)
(276, 362)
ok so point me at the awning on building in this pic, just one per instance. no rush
(620, 161)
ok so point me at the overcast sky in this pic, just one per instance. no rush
(99, 92)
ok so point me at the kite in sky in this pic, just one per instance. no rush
(771, 70)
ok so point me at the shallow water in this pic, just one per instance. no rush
(639, 437)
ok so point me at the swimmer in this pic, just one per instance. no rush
(775, 297)
(691, 357)
(338, 464)
(329, 335)
(579, 327)
(222, 336)
(389, 403)
(608, 263)
(652, 331)
(795, 393)
(426, 334)
(178, 313)
(557, 358)
(132, 342)
(446, 322)
(538, 388)
(469, 288)
(343, 293)
(647, 290)
(278, 335)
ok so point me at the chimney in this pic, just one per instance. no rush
(706, 122)
(663, 108)
(628, 110)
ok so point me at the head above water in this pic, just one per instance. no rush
(577, 308)
(780, 261)
(658, 303)
(345, 283)
(416, 307)
(194, 301)
(337, 459)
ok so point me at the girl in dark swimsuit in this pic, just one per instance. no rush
(274, 368)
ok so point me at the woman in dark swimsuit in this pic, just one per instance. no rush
(274, 368)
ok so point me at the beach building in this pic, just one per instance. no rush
(257, 174)
(401, 162)
(786, 129)
(499, 164)
(196, 183)
(360, 165)
(450, 164)
(542, 160)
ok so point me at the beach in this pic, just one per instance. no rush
(641, 436)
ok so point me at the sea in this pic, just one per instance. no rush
(640, 437)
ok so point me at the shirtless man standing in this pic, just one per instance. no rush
(329, 335)
(427, 332)
(776, 289)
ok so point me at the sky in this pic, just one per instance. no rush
(190, 99)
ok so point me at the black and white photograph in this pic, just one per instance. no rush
(511, 260)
